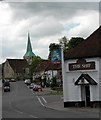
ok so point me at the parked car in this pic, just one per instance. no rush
(27, 81)
(31, 86)
(13, 80)
(6, 86)
(3, 80)
(37, 88)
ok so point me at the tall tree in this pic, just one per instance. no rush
(69, 44)
(53, 46)
(64, 41)
(35, 62)
(74, 41)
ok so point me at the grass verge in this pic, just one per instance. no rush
(55, 93)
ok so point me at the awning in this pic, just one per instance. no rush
(85, 79)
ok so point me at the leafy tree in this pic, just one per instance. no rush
(53, 46)
(74, 41)
(69, 44)
(64, 41)
(35, 62)
(54, 82)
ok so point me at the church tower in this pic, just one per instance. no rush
(29, 53)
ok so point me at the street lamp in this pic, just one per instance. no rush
(62, 61)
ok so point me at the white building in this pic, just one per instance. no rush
(47, 70)
(82, 76)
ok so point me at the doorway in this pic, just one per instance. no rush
(87, 95)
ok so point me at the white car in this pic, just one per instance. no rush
(28, 81)
(31, 86)
(12, 80)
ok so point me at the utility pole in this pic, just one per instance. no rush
(62, 62)
(62, 65)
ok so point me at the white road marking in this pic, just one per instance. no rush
(40, 101)
(33, 93)
(15, 109)
(18, 111)
(44, 100)
(33, 116)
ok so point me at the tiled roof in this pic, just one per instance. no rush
(41, 66)
(54, 66)
(47, 65)
(91, 47)
(18, 65)
(89, 79)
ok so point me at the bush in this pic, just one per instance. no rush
(54, 82)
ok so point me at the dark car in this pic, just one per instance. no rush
(3, 80)
(6, 86)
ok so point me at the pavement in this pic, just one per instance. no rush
(59, 104)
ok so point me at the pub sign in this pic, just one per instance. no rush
(56, 56)
(82, 65)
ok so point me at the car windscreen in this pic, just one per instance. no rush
(6, 84)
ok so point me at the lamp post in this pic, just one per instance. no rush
(62, 62)
(63, 69)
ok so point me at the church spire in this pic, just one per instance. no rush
(29, 53)
(29, 47)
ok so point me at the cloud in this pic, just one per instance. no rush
(46, 23)
(47, 27)
(87, 24)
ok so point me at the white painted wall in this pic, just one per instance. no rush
(8, 71)
(72, 92)
(94, 95)
(100, 79)
(49, 72)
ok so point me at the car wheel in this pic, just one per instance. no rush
(4, 90)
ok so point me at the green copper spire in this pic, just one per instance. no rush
(29, 52)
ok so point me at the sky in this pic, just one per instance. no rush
(46, 22)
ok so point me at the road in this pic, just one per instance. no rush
(21, 102)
